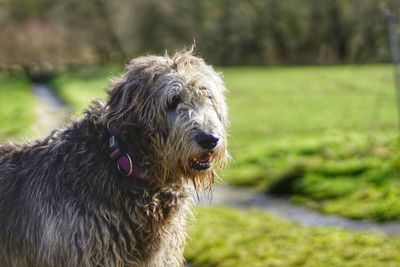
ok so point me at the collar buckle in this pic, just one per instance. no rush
(113, 143)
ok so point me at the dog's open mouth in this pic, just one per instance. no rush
(201, 162)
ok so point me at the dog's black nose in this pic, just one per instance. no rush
(207, 141)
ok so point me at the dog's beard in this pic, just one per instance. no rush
(179, 167)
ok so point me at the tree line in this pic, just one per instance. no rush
(226, 32)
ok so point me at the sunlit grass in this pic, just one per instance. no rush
(228, 238)
(270, 103)
(332, 128)
(16, 106)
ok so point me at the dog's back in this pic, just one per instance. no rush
(18, 223)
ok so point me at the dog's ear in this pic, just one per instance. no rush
(131, 97)
(119, 101)
(127, 96)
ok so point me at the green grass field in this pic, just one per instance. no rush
(16, 106)
(325, 136)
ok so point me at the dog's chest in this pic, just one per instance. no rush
(151, 231)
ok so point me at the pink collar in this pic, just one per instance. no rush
(123, 159)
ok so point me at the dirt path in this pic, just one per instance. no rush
(247, 198)
(50, 111)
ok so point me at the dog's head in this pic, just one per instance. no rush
(173, 113)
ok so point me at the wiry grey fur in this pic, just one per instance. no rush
(63, 201)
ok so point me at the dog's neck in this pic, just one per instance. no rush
(123, 159)
(132, 155)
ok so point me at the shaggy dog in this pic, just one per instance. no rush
(115, 188)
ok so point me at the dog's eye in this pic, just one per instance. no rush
(174, 102)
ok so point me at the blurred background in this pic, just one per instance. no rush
(314, 129)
